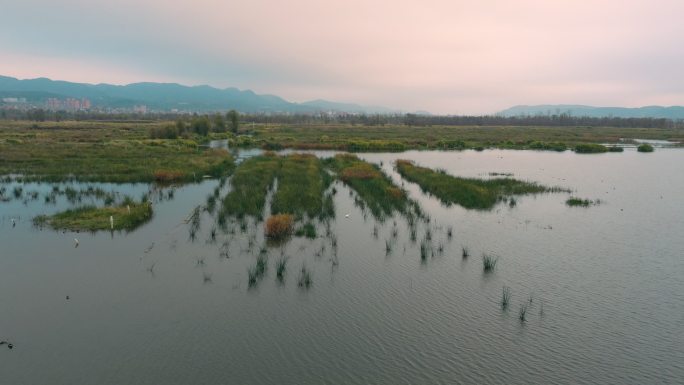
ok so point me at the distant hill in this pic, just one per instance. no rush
(168, 96)
(674, 112)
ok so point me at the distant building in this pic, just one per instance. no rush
(141, 109)
(14, 100)
(70, 104)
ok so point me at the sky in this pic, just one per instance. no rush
(441, 56)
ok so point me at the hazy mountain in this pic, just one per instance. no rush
(674, 112)
(167, 96)
(325, 105)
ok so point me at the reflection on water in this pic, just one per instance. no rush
(385, 302)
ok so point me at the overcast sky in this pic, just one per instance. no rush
(443, 56)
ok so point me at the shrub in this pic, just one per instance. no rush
(590, 148)
(645, 147)
(166, 176)
(279, 225)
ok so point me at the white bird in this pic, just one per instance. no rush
(14, 223)
(75, 242)
(346, 215)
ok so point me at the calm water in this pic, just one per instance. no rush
(153, 307)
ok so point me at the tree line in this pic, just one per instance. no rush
(198, 124)
(221, 122)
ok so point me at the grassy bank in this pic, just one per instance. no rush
(378, 192)
(127, 216)
(467, 192)
(104, 152)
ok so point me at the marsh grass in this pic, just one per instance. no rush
(574, 201)
(469, 193)
(505, 297)
(105, 152)
(302, 182)
(489, 262)
(307, 230)
(425, 249)
(91, 218)
(251, 182)
(305, 278)
(465, 253)
(373, 187)
(281, 266)
(522, 313)
(257, 271)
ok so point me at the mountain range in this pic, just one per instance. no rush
(172, 96)
(674, 112)
(169, 96)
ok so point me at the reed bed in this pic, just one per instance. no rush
(469, 193)
(374, 188)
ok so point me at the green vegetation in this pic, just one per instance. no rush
(425, 249)
(396, 137)
(90, 218)
(468, 192)
(250, 184)
(307, 230)
(505, 297)
(645, 147)
(305, 280)
(590, 148)
(374, 187)
(281, 266)
(256, 272)
(233, 120)
(489, 262)
(301, 184)
(574, 201)
(615, 149)
(300, 192)
(104, 152)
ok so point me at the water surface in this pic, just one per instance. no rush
(153, 306)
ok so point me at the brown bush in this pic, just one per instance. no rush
(278, 226)
(167, 175)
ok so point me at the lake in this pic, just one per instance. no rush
(602, 286)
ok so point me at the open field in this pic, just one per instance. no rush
(103, 152)
(400, 137)
(125, 152)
